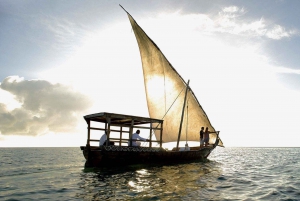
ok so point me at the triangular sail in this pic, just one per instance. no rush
(165, 93)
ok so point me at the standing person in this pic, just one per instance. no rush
(201, 136)
(206, 136)
(136, 136)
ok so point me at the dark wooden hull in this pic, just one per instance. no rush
(115, 155)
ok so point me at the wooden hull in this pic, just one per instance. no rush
(115, 155)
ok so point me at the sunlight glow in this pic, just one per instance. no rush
(131, 183)
(47, 140)
(9, 100)
(105, 69)
(142, 171)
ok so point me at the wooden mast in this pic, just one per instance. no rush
(179, 133)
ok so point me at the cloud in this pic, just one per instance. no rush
(232, 11)
(230, 20)
(57, 33)
(279, 32)
(287, 70)
(44, 107)
(290, 80)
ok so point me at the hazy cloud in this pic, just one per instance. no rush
(290, 80)
(230, 20)
(287, 70)
(279, 32)
(65, 32)
(45, 107)
(232, 11)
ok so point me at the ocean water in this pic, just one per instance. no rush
(229, 174)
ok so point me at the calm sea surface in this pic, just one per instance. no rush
(229, 174)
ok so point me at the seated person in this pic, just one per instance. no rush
(103, 139)
(135, 137)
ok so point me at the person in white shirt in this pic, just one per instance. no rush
(102, 139)
(135, 137)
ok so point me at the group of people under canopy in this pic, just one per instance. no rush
(135, 136)
(204, 138)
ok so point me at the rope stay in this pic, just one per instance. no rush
(169, 108)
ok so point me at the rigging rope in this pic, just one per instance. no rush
(168, 109)
(172, 104)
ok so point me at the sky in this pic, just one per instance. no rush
(61, 60)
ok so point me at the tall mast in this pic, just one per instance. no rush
(179, 133)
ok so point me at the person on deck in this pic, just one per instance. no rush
(201, 136)
(206, 136)
(136, 136)
(102, 140)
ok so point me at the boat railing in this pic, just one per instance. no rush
(117, 140)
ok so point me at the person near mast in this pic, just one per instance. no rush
(201, 136)
(206, 136)
(136, 136)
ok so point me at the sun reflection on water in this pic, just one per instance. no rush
(163, 182)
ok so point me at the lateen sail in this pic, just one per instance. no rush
(165, 93)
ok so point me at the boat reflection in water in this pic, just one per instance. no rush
(184, 181)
